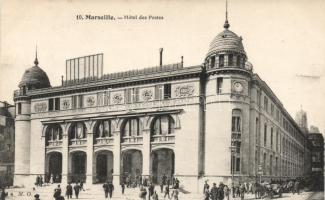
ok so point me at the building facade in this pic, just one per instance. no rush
(7, 143)
(317, 159)
(215, 121)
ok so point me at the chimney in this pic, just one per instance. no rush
(62, 80)
(160, 53)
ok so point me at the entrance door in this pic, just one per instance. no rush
(162, 165)
(79, 160)
(55, 167)
(132, 165)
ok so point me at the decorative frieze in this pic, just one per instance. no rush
(184, 90)
(40, 107)
(117, 97)
(147, 95)
(66, 103)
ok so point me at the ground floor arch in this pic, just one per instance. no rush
(77, 166)
(53, 167)
(131, 165)
(162, 165)
(104, 166)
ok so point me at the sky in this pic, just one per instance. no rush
(284, 40)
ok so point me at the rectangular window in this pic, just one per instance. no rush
(158, 92)
(265, 132)
(51, 104)
(272, 109)
(167, 91)
(213, 61)
(57, 104)
(235, 126)
(264, 163)
(74, 102)
(271, 138)
(219, 85)
(277, 142)
(271, 164)
(266, 104)
(237, 164)
(221, 61)
(19, 108)
(128, 95)
(230, 60)
(136, 95)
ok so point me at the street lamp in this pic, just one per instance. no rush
(232, 151)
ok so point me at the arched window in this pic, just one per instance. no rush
(53, 133)
(103, 129)
(131, 127)
(77, 131)
(163, 125)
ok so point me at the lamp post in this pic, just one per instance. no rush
(232, 151)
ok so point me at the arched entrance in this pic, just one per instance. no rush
(162, 165)
(132, 165)
(104, 166)
(54, 167)
(78, 163)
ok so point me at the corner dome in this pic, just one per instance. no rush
(35, 78)
(226, 41)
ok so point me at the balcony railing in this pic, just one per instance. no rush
(54, 143)
(236, 136)
(163, 138)
(78, 142)
(132, 139)
(104, 140)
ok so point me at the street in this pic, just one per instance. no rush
(96, 192)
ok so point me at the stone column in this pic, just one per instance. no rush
(65, 152)
(146, 153)
(117, 159)
(90, 153)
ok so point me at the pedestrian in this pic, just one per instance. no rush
(143, 193)
(52, 179)
(37, 181)
(296, 187)
(242, 191)
(161, 187)
(214, 192)
(110, 189)
(176, 184)
(76, 188)
(151, 189)
(205, 186)
(3, 194)
(220, 192)
(226, 192)
(36, 197)
(105, 187)
(206, 194)
(57, 192)
(175, 194)
(68, 191)
(167, 191)
(123, 187)
(155, 196)
(82, 186)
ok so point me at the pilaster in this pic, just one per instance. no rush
(146, 153)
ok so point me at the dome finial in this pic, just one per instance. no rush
(226, 25)
(36, 60)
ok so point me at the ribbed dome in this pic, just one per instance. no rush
(35, 78)
(226, 41)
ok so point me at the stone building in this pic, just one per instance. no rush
(7, 143)
(317, 158)
(215, 121)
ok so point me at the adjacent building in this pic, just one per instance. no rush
(317, 159)
(7, 143)
(215, 120)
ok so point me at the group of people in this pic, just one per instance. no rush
(165, 188)
(220, 192)
(77, 187)
(39, 181)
